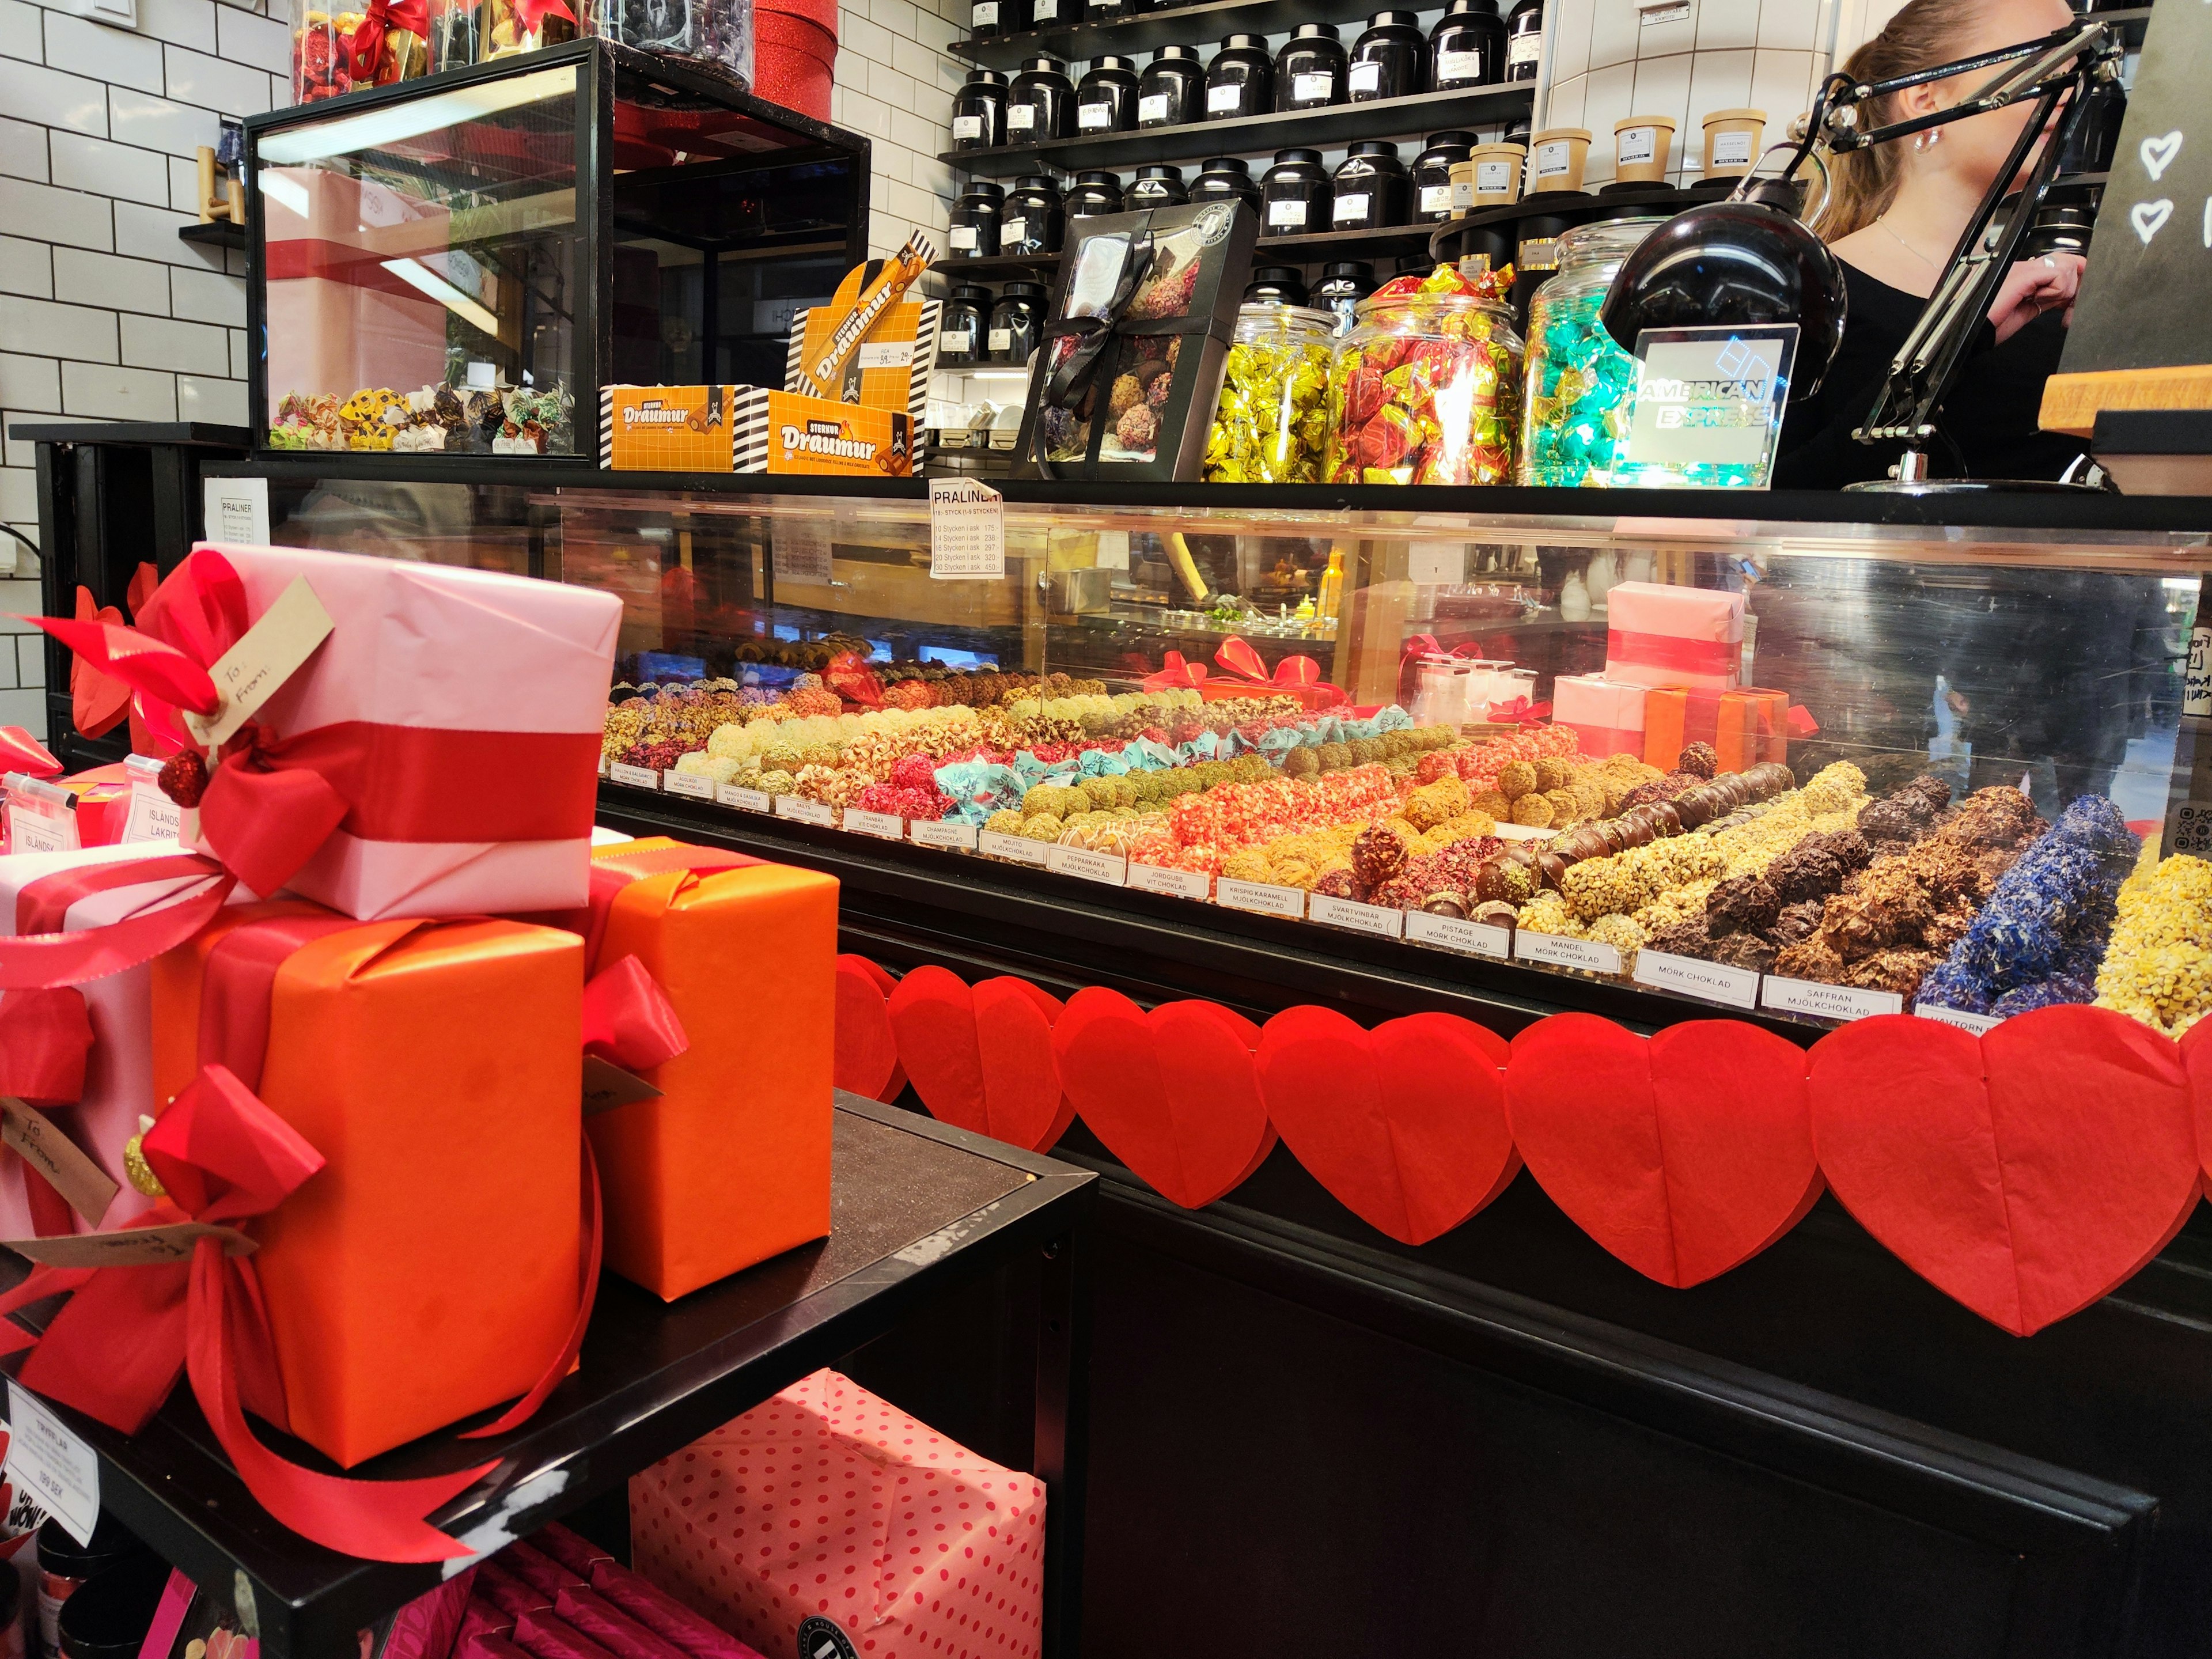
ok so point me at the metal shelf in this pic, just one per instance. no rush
(1339, 123)
(216, 233)
(1149, 30)
(1317, 249)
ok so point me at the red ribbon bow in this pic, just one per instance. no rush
(1174, 674)
(1520, 711)
(529, 15)
(412, 15)
(44, 1038)
(1300, 677)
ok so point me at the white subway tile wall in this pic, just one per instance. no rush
(105, 315)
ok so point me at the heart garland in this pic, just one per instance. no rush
(2025, 1173)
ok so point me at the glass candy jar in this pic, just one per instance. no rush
(1426, 387)
(1582, 386)
(507, 27)
(322, 53)
(1272, 424)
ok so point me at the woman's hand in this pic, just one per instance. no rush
(2033, 287)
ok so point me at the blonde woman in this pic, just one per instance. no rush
(1897, 211)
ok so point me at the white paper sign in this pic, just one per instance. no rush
(1020, 849)
(745, 801)
(1694, 977)
(30, 830)
(884, 826)
(967, 530)
(1435, 561)
(154, 816)
(1470, 938)
(1972, 1024)
(798, 807)
(1377, 919)
(1176, 884)
(1108, 868)
(1563, 951)
(235, 510)
(637, 777)
(1259, 896)
(1807, 996)
(945, 832)
(46, 1460)
(697, 785)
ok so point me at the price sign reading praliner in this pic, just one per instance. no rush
(967, 530)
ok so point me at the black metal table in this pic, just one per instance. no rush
(917, 1208)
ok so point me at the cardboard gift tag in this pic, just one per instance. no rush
(252, 671)
(32, 1136)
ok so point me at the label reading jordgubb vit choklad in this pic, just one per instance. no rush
(1176, 884)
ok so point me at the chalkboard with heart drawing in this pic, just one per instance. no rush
(2143, 327)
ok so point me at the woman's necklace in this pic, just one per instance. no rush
(1883, 224)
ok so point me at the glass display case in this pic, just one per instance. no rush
(1814, 770)
(455, 265)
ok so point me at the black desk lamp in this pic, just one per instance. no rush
(1751, 259)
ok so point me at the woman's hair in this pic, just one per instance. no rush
(1864, 182)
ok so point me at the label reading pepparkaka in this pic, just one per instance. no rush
(884, 826)
(1377, 919)
(1261, 897)
(944, 832)
(1109, 869)
(1470, 938)
(46, 1460)
(745, 801)
(1694, 977)
(1176, 884)
(1972, 1024)
(697, 785)
(802, 810)
(1018, 848)
(1807, 996)
(637, 777)
(1563, 951)
(967, 530)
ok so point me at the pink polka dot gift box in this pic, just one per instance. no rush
(829, 1523)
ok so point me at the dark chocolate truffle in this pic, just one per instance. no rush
(1741, 904)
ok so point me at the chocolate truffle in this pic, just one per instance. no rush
(1553, 868)
(1741, 904)
(1744, 950)
(1694, 806)
(1496, 913)
(1666, 818)
(1699, 760)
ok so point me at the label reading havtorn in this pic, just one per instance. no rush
(1176, 884)
(266, 655)
(1972, 1024)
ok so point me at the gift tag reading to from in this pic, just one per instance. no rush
(45, 1458)
(250, 672)
(235, 510)
(967, 530)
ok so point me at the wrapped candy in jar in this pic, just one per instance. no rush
(1582, 386)
(507, 27)
(1271, 424)
(1426, 387)
(322, 54)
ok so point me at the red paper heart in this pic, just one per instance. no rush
(1012, 1094)
(1682, 1156)
(2025, 1173)
(1405, 1125)
(868, 1061)
(2197, 1059)
(1172, 1093)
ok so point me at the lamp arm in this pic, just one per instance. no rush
(2063, 49)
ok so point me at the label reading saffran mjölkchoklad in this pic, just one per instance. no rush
(1809, 996)
(1693, 976)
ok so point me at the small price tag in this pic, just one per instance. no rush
(1019, 848)
(745, 801)
(1563, 951)
(44, 1458)
(697, 785)
(1470, 938)
(884, 826)
(235, 510)
(1379, 920)
(803, 811)
(1108, 868)
(607, 1086)
(1261, 897)
(636, 777)
(68, 1169)
(801, 548)
(154, 816)
(1807, 996)
(943, 832)
(31, 830)
(1694, 977)
(1972, 1024)
(967, 530)
(266, 655)
(1176, 884)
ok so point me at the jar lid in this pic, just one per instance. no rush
(983, 77)
(1243, 43)
(1279, 276)
(1357, 270)
(1553, 135)
(970, 291)
(1226, 164)
(1759, 115)
(1636, 121)
(1161, 170)
(1038, 181)
(1277, 313)
(1289, 157)
(985, 189)
(1043, 63)
(1314, 31)
(1113, 62)
(1375, 146)
(1394, 20)
(1487, 8)
(1454, 140)
(1175, 55)
(1022, 290)
(1111, 181)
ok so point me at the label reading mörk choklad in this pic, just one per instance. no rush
(1693, 976)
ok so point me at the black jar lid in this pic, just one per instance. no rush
(1489, 8)
(1043, 63)
(970, 291)
(1314, 31)
(1375, 146)
(1355, 271)
(1278, 277)
(1290, 157)
(1038, 181)
(1394, 20)
(983, 77)
(1177, 55)
(1128, 64)
(1161, 170)
(1452, 139)
(1226, 164)
(1022, 290)
(986, 188)
(1111, 181)
(1243, 43)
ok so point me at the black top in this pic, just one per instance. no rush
(1986, 429)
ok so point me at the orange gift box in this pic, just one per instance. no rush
(1745, 727)
(429, 1271)
(731, 1165)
